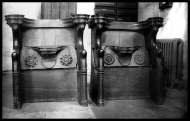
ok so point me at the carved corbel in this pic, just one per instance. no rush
(15, 21)
(156, 61)
(80, 21)
(98, 21)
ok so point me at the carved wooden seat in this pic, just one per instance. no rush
(126, 62)
(48, 59)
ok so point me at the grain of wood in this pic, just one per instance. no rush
(55, 10)
(64, 10)
(46, 10)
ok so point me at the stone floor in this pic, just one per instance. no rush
(175, 106)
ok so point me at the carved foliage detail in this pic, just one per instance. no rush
(66, 60)
(31, 61)
(109, 59)
(139, 57)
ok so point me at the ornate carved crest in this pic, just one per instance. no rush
(66, 60)
(31, 61)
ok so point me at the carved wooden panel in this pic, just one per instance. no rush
(33, 59)
(138, 57)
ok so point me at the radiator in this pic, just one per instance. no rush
(172, 53)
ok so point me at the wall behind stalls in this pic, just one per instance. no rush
(175, 24)
(30, 10)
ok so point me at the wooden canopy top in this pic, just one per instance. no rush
(61, 23)
(121, 25)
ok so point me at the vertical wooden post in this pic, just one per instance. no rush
(100, 100)
(80, 21)
(14, 22)
(100, 75)
(98, 22)
(156, 61)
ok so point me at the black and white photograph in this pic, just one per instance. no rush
(95, 60)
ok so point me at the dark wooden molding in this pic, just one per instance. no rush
(97, 19)
(80, 18)
(14, 19)
(109, 23)
(165, 5)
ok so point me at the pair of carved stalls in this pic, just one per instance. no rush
(126, 61)
(48, 59)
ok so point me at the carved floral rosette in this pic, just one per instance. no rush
(31, 61)
(66, 60)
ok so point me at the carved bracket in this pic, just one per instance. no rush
(155, 24)
(98, 21)
(80, 20)
(13, 20)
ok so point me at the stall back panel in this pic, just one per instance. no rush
(48, 37)
(122, 38)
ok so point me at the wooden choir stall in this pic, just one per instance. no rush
(126, 61)
(48, 59)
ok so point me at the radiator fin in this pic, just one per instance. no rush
(172, 52)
